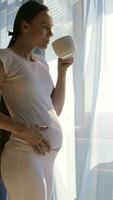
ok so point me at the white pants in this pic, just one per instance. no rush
(27, 175)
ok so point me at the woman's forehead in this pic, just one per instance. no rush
(44, 18)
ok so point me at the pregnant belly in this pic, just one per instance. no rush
(54, 136)
(53, 133)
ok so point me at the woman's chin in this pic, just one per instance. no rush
(42, 46)
(45, 46)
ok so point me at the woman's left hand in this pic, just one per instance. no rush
(65, 63)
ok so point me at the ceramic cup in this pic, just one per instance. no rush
(64, 47)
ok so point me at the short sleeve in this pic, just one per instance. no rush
(5, 58)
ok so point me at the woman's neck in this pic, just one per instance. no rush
(23, 50)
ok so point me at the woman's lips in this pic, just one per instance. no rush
(47, 41)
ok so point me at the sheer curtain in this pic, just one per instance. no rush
(8, 10)
(65, 163)
(93, 80)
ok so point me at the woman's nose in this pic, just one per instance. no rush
(51, 33)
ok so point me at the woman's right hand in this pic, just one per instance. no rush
(33, 134)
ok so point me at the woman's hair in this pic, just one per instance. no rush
(26, 12)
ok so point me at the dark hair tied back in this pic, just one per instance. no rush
(26, 12)
(10, 33)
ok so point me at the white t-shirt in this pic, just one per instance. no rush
(27, 89)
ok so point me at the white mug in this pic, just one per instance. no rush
(64, 47)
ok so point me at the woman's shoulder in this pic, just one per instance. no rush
(5, 53)
(4, 50)
(5, 58)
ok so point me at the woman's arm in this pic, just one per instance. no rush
(30, 133)
(6, 123)
(58, 94)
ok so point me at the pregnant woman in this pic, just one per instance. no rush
(33, 102)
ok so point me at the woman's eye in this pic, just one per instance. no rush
(48, 29)
(45, 27)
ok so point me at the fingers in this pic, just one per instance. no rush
(44, 140)
(41, 145)
(65, 62)
(42, 127)
(39, 142)
(40, 149)
(46, 145)
(70, 59)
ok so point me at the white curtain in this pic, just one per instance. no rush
(65, 187)
(8, 10)
(93, 80)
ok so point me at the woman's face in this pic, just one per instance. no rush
(38, 32)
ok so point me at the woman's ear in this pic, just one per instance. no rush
(24, 26)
